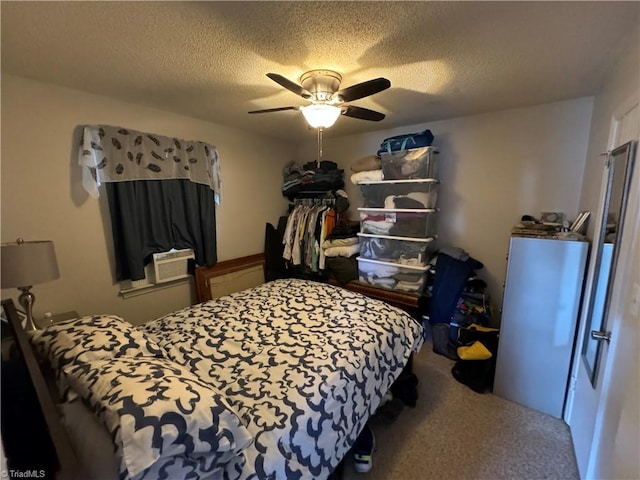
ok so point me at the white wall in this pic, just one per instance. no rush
(493, 168)
(621, 89)
(42, 196)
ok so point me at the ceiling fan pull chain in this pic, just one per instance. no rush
(319, 147)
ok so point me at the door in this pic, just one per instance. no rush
(602, 405)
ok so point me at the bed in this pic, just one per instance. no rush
(272, 382)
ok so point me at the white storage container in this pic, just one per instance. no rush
(410, 252)
(397, 222)
(412, 193)
(392, 275)
(412, 163)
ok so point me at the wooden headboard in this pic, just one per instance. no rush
(229, 276)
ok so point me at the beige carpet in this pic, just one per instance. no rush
(455, 433)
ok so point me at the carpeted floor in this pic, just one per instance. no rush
(455, 433)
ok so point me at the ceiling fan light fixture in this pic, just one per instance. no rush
(321, 116)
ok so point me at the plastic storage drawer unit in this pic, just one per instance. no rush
(412, 163)
(392, 275)
(396, 222)
(413, 193)
(413, 252)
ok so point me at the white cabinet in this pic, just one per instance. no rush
(540, 310)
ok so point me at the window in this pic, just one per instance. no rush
(161, 192)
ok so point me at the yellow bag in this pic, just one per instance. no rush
(476, 351)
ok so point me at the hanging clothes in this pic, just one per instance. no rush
(308, 225)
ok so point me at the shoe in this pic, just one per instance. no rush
(363, 451)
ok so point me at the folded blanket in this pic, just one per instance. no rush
(376, 270)
(340, 242)
(346, 251)
(380, 282)
(404, 201)
(376, 227)
(367, 176)
(409, 286)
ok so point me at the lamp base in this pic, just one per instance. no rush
(27, 299)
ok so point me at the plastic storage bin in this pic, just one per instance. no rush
(392, 275)
(412, 193)
(412, 163)
(396, 222)
(410, 252)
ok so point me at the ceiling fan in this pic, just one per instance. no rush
(321, 88)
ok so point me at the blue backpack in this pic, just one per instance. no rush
(400, 143)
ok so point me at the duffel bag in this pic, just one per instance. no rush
(399, 143)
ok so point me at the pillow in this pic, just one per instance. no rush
(157, 409)
(85, 339)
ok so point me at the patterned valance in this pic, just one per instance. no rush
(116, 154)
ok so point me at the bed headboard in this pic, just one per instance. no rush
(229, 276)
(68, 467)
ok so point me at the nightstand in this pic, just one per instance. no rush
(49, 319)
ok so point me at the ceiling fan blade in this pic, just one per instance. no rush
(364, 89)
(289, 85)
(278, 109)
(362, 113)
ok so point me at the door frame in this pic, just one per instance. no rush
(606, 397)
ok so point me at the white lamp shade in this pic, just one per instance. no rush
(321, 116)
(28, 263)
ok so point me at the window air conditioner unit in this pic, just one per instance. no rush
(170, 265)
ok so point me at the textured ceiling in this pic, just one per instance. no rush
(209, 59)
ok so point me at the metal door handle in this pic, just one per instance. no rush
(596, 335)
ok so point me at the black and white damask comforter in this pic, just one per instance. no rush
(304, 365)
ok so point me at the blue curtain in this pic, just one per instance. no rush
(153, 216)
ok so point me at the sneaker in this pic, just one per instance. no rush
(363, 451)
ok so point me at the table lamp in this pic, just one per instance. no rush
(25, 264)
